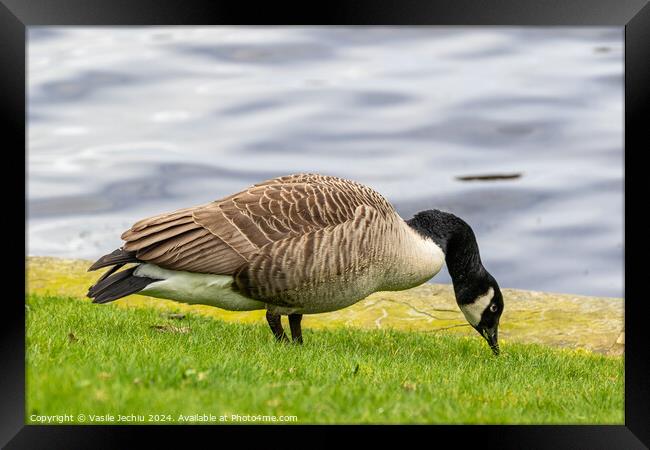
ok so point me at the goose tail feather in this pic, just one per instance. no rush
(118, 285)
(114, 284)
(119, 256)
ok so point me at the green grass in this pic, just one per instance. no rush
(99, 359)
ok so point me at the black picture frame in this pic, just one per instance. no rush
(633, 15)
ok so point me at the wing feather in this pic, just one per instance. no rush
(222, 236)
(280, 271)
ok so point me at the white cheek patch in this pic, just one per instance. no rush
(474, 311)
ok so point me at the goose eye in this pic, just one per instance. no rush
(493, 307)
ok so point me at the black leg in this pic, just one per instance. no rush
(294, 324)
(276, 326)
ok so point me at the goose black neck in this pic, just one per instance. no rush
(456, 239)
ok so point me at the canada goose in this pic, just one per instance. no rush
(299, 244)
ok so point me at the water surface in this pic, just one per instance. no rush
(132, 121)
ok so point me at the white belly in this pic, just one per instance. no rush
(195, 288)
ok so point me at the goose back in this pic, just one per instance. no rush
(222, 236)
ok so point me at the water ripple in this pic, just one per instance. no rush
(128, 122)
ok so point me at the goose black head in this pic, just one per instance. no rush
(477, 292)
(481, 302)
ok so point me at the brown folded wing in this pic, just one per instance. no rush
(221, 236)
(283, 272)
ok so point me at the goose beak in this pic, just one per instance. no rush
(491, 335)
